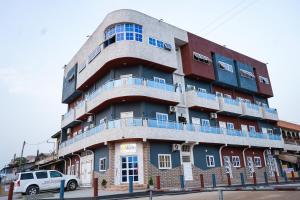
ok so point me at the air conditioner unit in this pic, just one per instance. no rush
(90, 118)
(176, 147)
(68, 130)
(172, 109)
(213, 115)
(167, 46)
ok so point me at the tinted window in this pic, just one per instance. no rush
(26, 176)
(41, 175)
(54, 174)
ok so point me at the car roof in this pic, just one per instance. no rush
(35, 171)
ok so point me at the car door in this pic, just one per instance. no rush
(42, 179)
(55, 179)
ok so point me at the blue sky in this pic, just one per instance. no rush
(39, 37)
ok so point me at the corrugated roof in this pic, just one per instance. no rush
(288, 125)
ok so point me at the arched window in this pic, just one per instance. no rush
(125, 31)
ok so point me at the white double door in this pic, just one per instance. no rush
(227, 165)
(186, 156)
(86, 172)
(250, 166)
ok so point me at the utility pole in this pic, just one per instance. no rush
(21, 158)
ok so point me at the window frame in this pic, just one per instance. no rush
(101, 164)
(159, 162)
(253, 128)
(236, 160)
(162, 114)
(152, 41)
(158, 80)
(39, 172)
(255, 158)
(228, 125)
(204, 121)
(225, 66)
(264, 80)
(207, 158)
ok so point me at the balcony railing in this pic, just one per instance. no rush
(154, 123)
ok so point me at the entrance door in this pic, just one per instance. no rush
(186, 162)
(271, 164)
(86, 166)
(250, 166)
(223, 127)
(129, 168)
(227, 165)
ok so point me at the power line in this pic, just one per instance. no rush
(232, 16)
(222, 15)
(38, 143)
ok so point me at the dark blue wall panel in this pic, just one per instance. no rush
(101, 152)
(200, 151)
(246, 83)
(163, 148)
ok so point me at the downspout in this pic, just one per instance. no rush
(245, 164)
(70, 163)
(65, 166)
(79, 163)
(220, 154)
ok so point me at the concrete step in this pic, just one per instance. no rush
(125, 187)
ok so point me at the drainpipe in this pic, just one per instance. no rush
(65, 166)
(220, 154)
(264, 153)
(70, 162)
(79, 163)
(245, 164)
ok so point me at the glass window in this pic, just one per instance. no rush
(159, 80)
(202, 90)
(138, 28)
(26, 176)
(41, 175)
(257, 161)
(152, 41)
(236, 161)
(247, 74)
(210, 161)
(164, 161)
(270, 131)
(138, 37)
(264, 80)
(120, 36)
(161, 116)
(102, 164)
(196, 120)
(230, 125)
(120, 28)
(205, 122)
(160, 44)
(129, 27)
(252, 129)
(129, 36)
(55, 174)
(226, 66)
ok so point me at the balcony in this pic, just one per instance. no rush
(202, 100)
(230, 105)
(144, 129)
(291, 145)
(133, 88)
(252, 110)
(68, 118)
(270, 113)
(80, 109)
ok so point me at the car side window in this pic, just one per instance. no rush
(41, 175)
(26, 176)
(55, 174)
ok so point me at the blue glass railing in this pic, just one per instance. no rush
(130, 81)
(231, 101)
(154, 123)
(274, 137)
(258, 135)
(207, 95)
(69, 113)
(252, 106)
(234, 132)
(271, 110)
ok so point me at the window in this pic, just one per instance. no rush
(230, 125)
(81, 67)
(152, 41)
(185, 148)
(236, 161)
(120, 36)
(196, 120)
(210, 161)
(26, 176)
(225, 66)
(227, 96)
(219, 94)
(161, 116)
(160, 44)
(270, 131)
(257, 161)
(202, 90)
(205, 122)
(139, 37)
(159, 80)
(264, 80)
(41, 175)
(71, 78)
(164, 161)
(138, 28)
(201, 58)
(129, 36)
(252, 129)
(102, 164)
(247, 74)
(190, 87)
(55, 174)
(167, 46)
(124, 115)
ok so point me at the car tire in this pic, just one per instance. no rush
(72, 185)
(32, 190)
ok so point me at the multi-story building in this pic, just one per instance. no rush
(146, 98)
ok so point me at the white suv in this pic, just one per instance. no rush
(31, 183)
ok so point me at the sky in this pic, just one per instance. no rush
(39, 37)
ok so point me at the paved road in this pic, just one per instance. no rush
(234, 195)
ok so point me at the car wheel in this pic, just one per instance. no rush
(32, 190)
(72, 185)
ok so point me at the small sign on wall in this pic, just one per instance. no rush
(128, 148)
